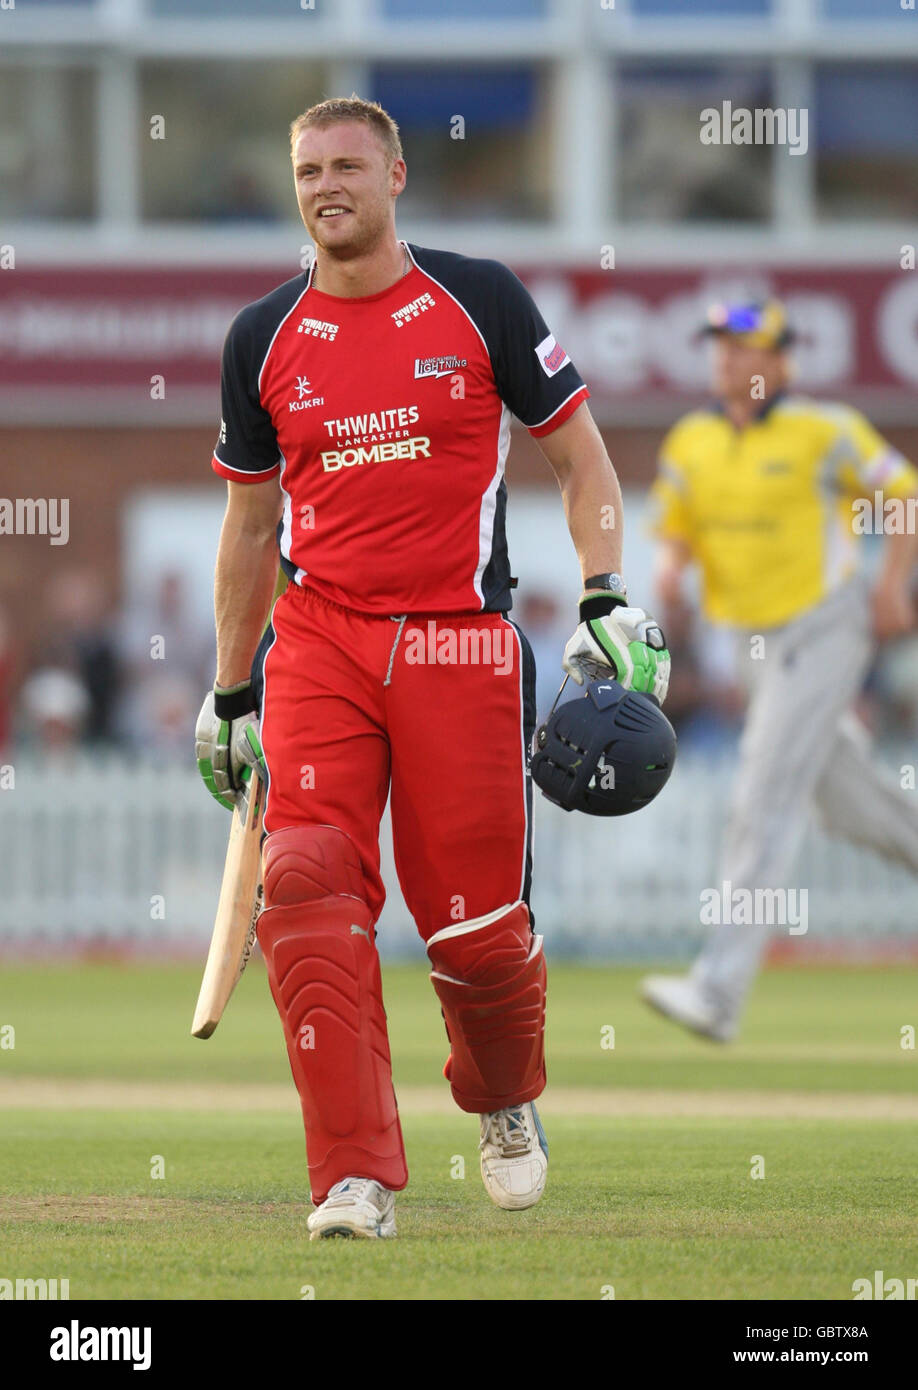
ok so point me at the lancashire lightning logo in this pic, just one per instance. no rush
(437, 366)
(303, 387)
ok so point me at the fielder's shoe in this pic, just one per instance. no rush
(678, 997)
(354, 1207)
(514, 1156)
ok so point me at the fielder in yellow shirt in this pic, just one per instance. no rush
(767, 493)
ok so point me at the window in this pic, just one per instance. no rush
(866, 151)
(691, 9)
(477, 140)
(224, 155)
(243, 9)
(47, 143)
(464, 9)
(866, 9)
(667, 173)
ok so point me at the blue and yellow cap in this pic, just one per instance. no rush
(761, 324)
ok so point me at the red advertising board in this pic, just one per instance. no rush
(115, 345)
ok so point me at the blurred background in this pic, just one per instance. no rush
(146, 195)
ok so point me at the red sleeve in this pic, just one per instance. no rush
(240, 475)
(564, 412)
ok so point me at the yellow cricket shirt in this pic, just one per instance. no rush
(767, 510)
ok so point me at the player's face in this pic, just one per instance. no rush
(735, 365)
(346, 187)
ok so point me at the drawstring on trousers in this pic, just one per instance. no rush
(393, 617)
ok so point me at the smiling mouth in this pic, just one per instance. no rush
(326, 213)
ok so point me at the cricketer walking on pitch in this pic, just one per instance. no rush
(366, 417)
(760, 494)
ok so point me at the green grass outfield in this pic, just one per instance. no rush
(653, 1143)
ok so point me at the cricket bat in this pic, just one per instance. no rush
(241, 898)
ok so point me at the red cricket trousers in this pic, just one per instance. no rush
(438, 710)
(439, 713)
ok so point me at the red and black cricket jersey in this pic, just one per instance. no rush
(387, 418)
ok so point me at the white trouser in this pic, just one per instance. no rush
(801, 747)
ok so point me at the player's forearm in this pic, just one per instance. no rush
(590, 490)
(246, 575)
(593, 507)
(900, 555)
(672, 559)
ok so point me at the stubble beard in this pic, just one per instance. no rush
(366, 235)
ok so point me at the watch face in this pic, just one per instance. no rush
(614, 583)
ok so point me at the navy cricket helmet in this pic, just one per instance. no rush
(607, 754)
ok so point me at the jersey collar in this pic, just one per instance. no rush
(763, 411)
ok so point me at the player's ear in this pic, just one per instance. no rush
(398, 177)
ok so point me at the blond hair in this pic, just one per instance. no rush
(353, 108)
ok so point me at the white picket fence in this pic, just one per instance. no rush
(107, 853)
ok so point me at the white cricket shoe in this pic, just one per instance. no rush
(514, 1156)
(354, 1207)
(678, 997)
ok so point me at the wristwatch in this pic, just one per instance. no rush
(602, 593)
(609, 583)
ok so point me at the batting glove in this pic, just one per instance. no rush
(227, 743)
(626, 641)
